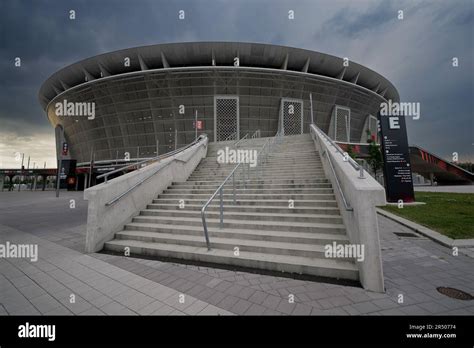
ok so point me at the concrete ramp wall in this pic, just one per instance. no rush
(362, 195)
(115, 203)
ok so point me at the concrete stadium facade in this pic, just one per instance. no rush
(146, 97)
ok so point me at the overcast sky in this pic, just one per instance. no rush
(415, 53)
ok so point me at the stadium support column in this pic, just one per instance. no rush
(196, 125)
(59, 133)
(432, 179)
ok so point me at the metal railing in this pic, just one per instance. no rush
(347, 206)
(266, 148)
(149, 161)
(133, 187)
(231, 137)
(344, 154)
(344, 200)
(256, 134)
(241, 139)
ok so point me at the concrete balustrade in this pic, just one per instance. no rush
(363, 195)
(103, 220)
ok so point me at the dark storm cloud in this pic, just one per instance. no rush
(414, 54)
(350, 24)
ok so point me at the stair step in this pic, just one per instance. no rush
(255, 176)
(239, 202)
(253, 181)
(260, 170)
(228, 190)
(232, 223)
(246, 215)
(250, 208)
(277, 236)
(265, 196)
(268, 233)
(260, 181)
(282, 263)
(225, 243)
(251, 186)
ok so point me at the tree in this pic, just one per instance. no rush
(350, 151)
(375, 159)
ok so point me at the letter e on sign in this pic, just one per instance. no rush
(393, 123)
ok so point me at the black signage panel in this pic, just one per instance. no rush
(396, 159)
(68, 174)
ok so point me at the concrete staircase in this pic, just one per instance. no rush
(268, 234)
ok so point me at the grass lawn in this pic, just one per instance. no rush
(451, 214)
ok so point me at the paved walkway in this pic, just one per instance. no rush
(451, 188)
(107, 284)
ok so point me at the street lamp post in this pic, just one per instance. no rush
(21, 176)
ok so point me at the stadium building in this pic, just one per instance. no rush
(146, 98)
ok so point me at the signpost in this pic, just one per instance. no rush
(396, 159)
(197, 124)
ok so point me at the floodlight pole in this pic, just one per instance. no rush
(21, 176)
(196, 125)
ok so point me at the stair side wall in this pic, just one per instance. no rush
(104, 221)
(363, 195)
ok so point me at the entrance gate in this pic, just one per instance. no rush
(291, 116)
(226, 118)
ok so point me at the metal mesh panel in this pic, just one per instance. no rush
(370, 125)
(291, 113)
(226, 117)
(342, 126)
(373, 127)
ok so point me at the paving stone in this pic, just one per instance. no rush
(32, 291)
(223, 286)
(45, 303)
(212, 310)
(195, 308)
(433, 307)
(240, 307)
(334, 311)
(163, 310)
(228, 302)
(339, 301)
(271, 312)
(213, 282)
(60, 311)
(366, 307)
(271, 302)
(301, 309)
(216, 298)
(258, 297)
(286, 307)
(150, 308)
(234, 290)
(385, 303)
(115, 308)
(414, 310)
(246, 293)
(255, 309)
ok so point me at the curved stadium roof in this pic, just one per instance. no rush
(208, 54)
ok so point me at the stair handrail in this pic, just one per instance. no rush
(243, 138)
(351, 161)
(347, 158)
(255, 134)
(149, 161)
(347, 206)
(338, 185)
(133, 187)
(230, 136)
(221, 186)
